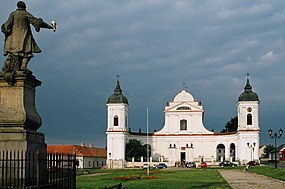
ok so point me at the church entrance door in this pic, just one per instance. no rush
(183, 156)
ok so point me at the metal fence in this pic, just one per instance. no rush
(33, 170)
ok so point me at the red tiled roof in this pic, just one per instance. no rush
(78, 150)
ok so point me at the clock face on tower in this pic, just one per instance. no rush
(249, 109)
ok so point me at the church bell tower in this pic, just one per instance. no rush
(248, 125)
(117, 128)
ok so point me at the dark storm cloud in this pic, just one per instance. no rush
(154, 46)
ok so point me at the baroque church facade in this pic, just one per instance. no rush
(183, 137)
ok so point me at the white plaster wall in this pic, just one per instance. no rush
(121, 110)
(203, 146)
(92, 162)
(245, 152)
(88, 162)
(194, 123)
(116, 145)
(242, 115)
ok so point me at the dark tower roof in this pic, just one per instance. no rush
(117, 97)
(248, 94)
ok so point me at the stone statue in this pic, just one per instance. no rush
(19, 43)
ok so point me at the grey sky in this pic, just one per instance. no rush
(155, 46)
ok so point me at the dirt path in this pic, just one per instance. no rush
(242, 180)
(93, 174)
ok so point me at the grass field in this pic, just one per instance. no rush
(165, 179)
(278, 173)
(158, 179)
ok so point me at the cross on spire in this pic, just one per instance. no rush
(184, 86)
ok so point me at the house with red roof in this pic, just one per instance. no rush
(86, 156)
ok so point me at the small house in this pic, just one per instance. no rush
(86, 156)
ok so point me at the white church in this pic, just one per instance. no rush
(183, 136)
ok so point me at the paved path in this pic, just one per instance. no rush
(238, 179)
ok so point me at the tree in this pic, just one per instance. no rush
(268, 149)
(231, 125)
(134, 148)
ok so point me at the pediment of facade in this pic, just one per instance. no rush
(183, 106)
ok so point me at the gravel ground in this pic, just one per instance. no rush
(242, 180)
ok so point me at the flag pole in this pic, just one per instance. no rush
(147, 153)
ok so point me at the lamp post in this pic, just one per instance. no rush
(251, 147)
(275, 136)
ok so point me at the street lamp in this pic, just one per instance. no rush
(275, 136)
(251, 146)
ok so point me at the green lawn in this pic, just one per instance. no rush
(278, 173)
(164, 179)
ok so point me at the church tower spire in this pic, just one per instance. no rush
(118, 96)
(248, 94)
(118, 88)
(117, 127)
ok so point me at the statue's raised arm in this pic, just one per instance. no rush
(20, 45)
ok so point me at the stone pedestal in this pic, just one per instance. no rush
(19, 122)
(19, 119)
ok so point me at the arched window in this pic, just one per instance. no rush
(183, 124)
(249, 119)
(116, 120)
